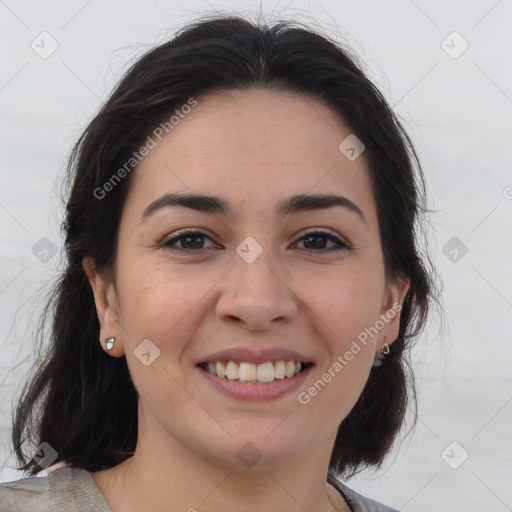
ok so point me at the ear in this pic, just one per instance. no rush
(107, 306)
(391, 307)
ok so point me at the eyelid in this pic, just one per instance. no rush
(183, 233)
(333, 236)
(319, 230)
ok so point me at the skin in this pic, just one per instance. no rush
(252, 148)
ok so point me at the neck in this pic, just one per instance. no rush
(157, 476)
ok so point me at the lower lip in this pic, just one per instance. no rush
(254, 392)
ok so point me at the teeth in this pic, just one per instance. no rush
(279, 370)
(221, 370)
(232, 370)
(247, 371)
(290, 368)
(265, 372)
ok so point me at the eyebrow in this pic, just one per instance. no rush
(216, 205)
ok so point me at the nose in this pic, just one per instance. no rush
(257, 295)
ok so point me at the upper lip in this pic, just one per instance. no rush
(245, 355)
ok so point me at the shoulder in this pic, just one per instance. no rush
(66, 488)
(357, 502)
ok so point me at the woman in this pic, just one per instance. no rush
(242, 287)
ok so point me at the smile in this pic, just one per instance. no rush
(252, 373)
(255, 382)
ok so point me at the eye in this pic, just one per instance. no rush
(190, 241)
(315, 241)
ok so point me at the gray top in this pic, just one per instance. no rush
(72, 489)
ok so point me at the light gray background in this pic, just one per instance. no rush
(458, 112)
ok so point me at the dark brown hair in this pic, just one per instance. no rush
(82, 401)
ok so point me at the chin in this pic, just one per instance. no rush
(257, 452)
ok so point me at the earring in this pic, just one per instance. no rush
(381, 358)
(109, 342)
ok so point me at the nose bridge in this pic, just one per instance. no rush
(255, 271)
(253, 291)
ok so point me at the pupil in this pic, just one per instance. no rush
(316, 238)
(186, 241)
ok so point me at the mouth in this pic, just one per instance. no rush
(251, 382)
(254, 375)
(251, 373)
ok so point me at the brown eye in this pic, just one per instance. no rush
(193, 242)
(188, 242)
(316, 241)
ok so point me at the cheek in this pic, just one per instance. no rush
(348, 301)
(348, 305)
(159, 304)
(160, 301)
(344, 371)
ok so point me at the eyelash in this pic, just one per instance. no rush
(342, 246)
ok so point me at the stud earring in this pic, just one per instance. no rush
(381, 358)
(109, 342)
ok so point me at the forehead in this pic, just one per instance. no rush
(253, 146)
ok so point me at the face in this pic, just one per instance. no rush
(243, 274)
